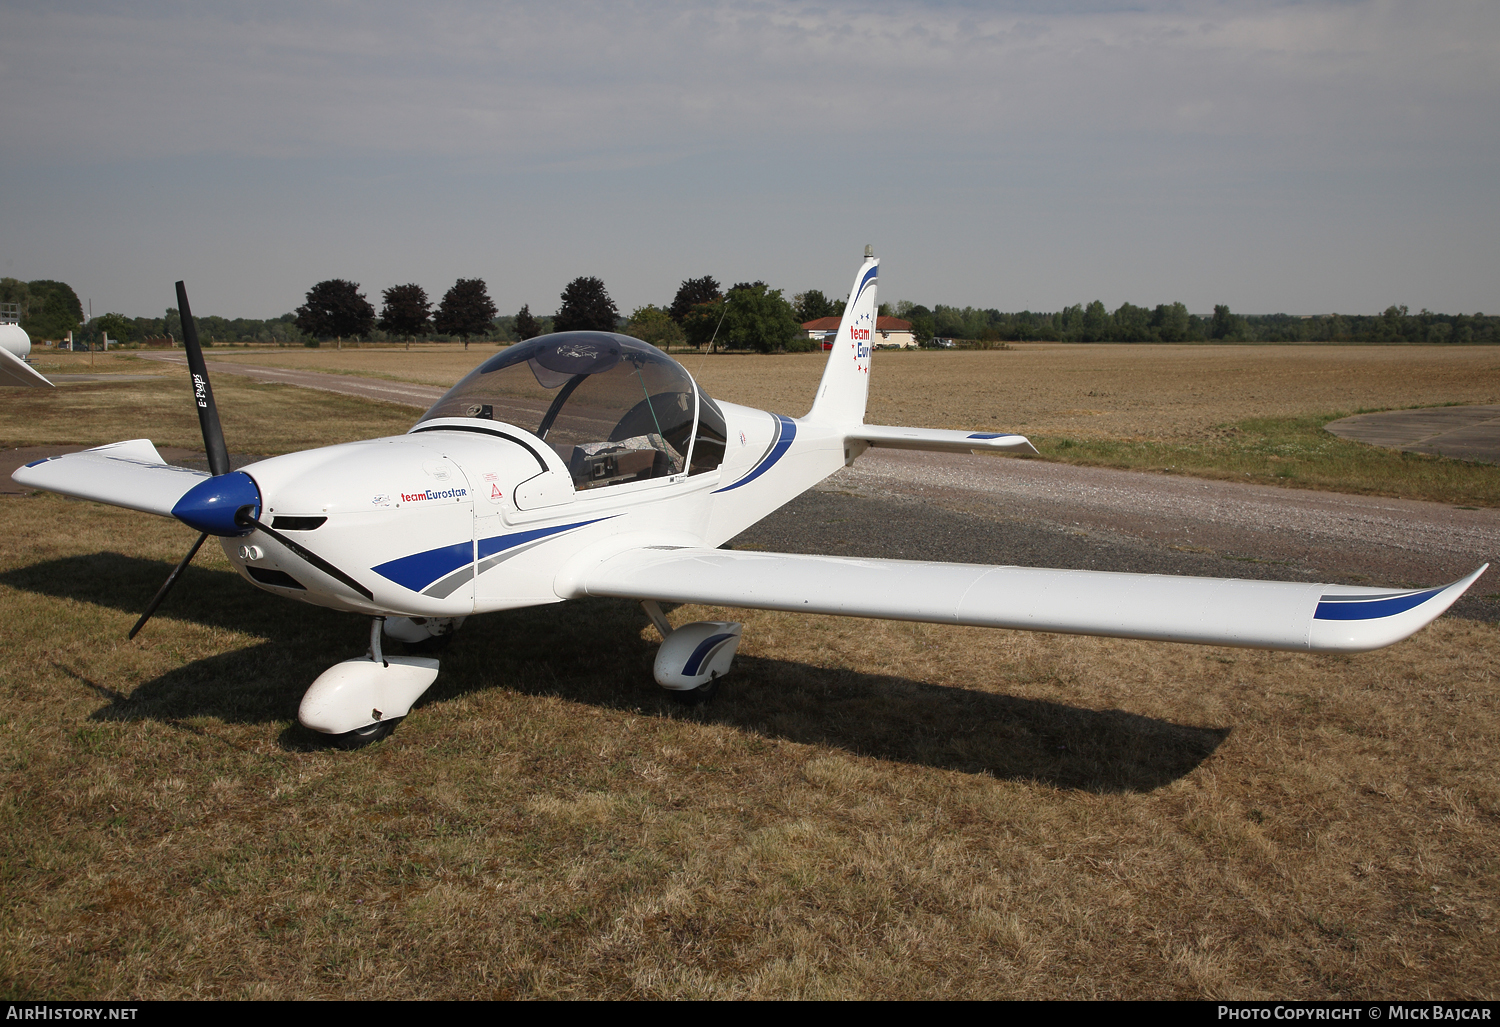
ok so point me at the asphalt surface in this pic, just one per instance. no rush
(1465, 432)
(997, 510)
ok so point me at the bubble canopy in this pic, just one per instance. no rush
(615, 409)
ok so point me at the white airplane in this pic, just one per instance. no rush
(592, 464)
(15, 346)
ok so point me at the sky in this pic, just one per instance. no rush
(1304, 157)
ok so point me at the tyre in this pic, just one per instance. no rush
(361, 737)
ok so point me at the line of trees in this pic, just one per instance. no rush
(746, 316)
(1172, 323)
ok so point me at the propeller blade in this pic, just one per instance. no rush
(166, 587)
(311, 557)
(203, 393)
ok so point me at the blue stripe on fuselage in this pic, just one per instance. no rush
(419, 570)
(788, 432)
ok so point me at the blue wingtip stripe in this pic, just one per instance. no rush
(1337, 607)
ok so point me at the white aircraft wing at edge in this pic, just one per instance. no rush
(15, 371)
(130, 474)
(1211, 611)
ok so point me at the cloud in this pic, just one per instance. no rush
(525, 84)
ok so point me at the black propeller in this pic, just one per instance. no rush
(203, 393)
(228, 508)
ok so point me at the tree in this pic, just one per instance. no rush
(1226, 325)
(1132, 324)
(654, 325)
(117, 327)
(812, 304)
(13, 290)
(526, 325)
(406, 311)
(1096, 323)
(921, 322)
(466, 310)
(702, 321)
(52, 310)
(336, 308)
(586, 307)
(758, 318)
(693, 293)
(1171, 322)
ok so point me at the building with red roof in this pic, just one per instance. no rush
(890, 332)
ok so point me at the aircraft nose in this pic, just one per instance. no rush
(213, 505)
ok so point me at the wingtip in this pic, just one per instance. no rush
(1358, 620)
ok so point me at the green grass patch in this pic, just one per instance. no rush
(1294, 451)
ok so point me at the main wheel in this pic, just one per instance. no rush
(361, 737)
(696, 696)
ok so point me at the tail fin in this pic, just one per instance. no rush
(846, 379)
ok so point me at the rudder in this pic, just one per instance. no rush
(846, 378)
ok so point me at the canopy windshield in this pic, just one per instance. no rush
(614, 408)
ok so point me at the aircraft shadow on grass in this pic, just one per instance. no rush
(595, 652)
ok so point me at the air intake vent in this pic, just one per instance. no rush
(297, 523)
(278, 579)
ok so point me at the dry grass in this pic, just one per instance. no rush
(869, 810)
(257, 418)
(1243, 412)
(1157, 393)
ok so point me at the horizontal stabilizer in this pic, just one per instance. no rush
(940, 439)
(1210, 611)
(129, 474)
(15, 371)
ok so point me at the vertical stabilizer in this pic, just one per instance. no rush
(846, 379)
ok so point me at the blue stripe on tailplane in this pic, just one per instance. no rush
(1336, 607)
(704, 652)
(868, 277)
(788, 432)
(420, 570)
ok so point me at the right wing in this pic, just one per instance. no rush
(1210, 611)
(15, 371)
(129, 474)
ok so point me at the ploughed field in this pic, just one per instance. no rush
(1156, 392)
(868, 809)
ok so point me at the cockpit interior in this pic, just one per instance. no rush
(615, 409)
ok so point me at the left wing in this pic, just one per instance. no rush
(1210, 611)
(129, 474)
(15, 371)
